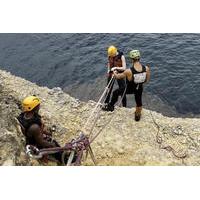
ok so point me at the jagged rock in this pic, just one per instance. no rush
(9, 162)
(57, 90)
(121, 142)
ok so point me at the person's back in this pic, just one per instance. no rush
(138, 75)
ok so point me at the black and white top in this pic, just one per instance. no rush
(139, 77)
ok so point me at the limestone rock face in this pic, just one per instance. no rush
(155, 140)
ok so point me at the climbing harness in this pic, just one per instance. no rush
(71, 151)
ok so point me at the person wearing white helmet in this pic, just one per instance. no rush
(136, 76)
(116, 61)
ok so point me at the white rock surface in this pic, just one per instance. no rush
(122, 142)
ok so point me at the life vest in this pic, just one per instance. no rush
(116, 61)
(139, 77)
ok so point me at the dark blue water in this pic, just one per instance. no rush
(76, 62)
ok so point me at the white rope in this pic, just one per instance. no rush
(99, 102)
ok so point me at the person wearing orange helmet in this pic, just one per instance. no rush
(116, 61)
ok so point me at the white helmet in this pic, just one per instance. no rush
(134, 54)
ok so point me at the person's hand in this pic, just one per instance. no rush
(115, 72)
(47, 131)
(114, 69)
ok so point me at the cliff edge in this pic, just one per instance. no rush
(155, 140)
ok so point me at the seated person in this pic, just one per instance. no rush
(33, 127)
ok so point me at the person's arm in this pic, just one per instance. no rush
(44, 129)
(120, 75)
(36, 132)
(148, 74)
(108, 68)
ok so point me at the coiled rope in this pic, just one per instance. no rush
(159, 139)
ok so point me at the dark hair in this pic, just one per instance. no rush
(136, 59)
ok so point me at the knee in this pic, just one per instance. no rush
(35, 128)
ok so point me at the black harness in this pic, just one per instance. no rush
(132, 82)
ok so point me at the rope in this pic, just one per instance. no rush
(159, 138)
(69, 146)
(96, 117)
(98, 109)
(76, 146)
(120, 102)
(99, 102)
(85, 146)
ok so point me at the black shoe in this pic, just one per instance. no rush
(137, 117)
(108, 107)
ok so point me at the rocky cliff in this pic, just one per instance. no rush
(155, 140)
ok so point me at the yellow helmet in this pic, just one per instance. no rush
(112, 51)
(29, 103)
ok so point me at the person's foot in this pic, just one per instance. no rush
(137, 116)
(108, 107)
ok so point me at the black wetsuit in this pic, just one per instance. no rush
(132, 88)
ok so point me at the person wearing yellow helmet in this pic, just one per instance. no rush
(116, 61)
(136, 76)
(33, 128)
(32, 125)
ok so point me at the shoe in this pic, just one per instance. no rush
(108, 107)
(137, 116)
